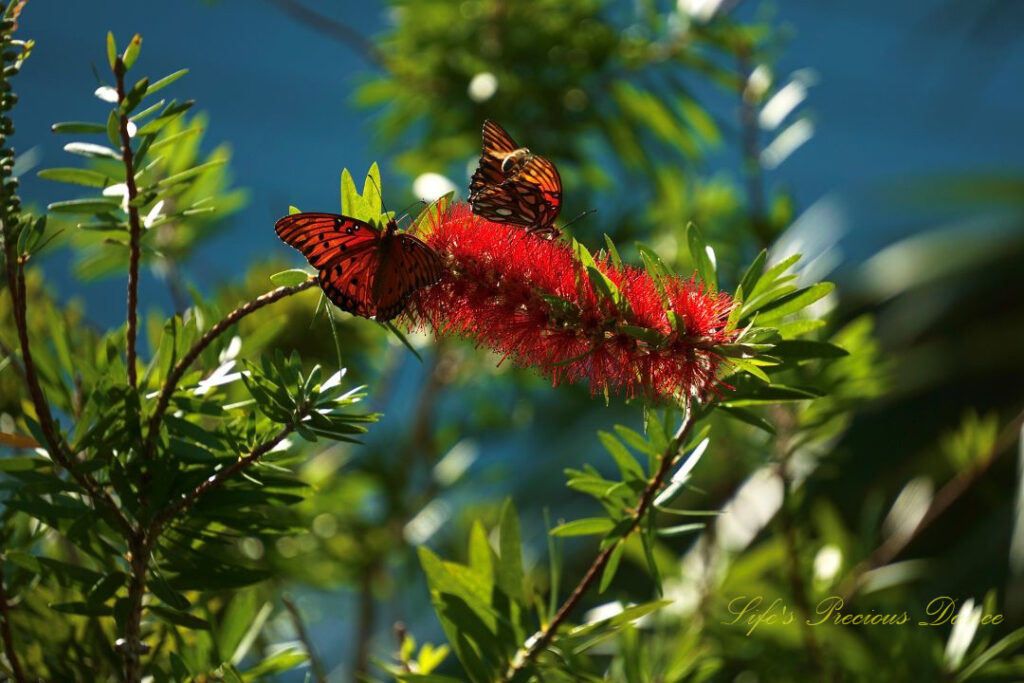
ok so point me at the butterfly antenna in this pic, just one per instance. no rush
(585, 213)
(380, 195)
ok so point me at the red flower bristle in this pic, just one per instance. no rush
(529, 299)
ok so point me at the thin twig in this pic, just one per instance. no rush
(784, 419)
(134, 225)
(182, 366)
(190, 499)
(797, 585)
(55, 446)
(317, 666)
(545, 635)
(5, 630)
(335, 29)
(895, 544)
(132, 646)
(364, 627)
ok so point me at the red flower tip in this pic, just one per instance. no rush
(530, 299)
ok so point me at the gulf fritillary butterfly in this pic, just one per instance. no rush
(364, 270)
(514, 185)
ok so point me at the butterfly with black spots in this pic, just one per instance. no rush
(364, 270)
(514, 185)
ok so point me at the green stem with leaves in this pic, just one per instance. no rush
(182, 366)
(134, 225)
(544, 637)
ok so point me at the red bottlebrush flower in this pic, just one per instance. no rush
(531, 300)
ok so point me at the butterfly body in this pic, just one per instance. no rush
(364, 270)
(514, 185)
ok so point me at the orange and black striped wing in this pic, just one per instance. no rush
(498, 144)
(346, 251)
(531, 197)
(323, 236)
(407, 264)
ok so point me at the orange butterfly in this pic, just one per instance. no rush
(514, 185)
(364, 270)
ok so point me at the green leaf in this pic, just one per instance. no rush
(161, 589)
(111, 50)
(179, 618)
(649, 336)
(628, 465)
(747, 366)
(242, 621)
(612, 567)
(373, 190)
(699, 251)
(652, 262)
(748, 416)
(604, 286)
(589, 526)
(509, 572)
(681, 529)
(796, 301)
(756, 394)
(93, 151)
(77, 176)
(190, 173)
(290, 277)
(279, 662)
(795, 328)
(131, 53)
(351, 203)
(172, 111)
(105, 589)
(166, 81)
(626, 616)
(83, 608)
(771, 276)
(77, 127)
(613, 252)
(134, 96)
(635, 440)
(22, 464)
(114, 128)
(85, 206)
(753, 274)
(801, 349)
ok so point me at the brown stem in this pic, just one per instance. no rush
(364, 627)
(545, 635)
(333, 28)
(179, 369)
(317, 666)
(132, 645)
(797, 586)
(134, 226)
(187, 501)
(15, 271)
(785, 420)
(5, 631)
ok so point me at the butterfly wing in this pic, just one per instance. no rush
(498, 144)
(344, 250)
(531, 197)
(407, 264)
(526, 191)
